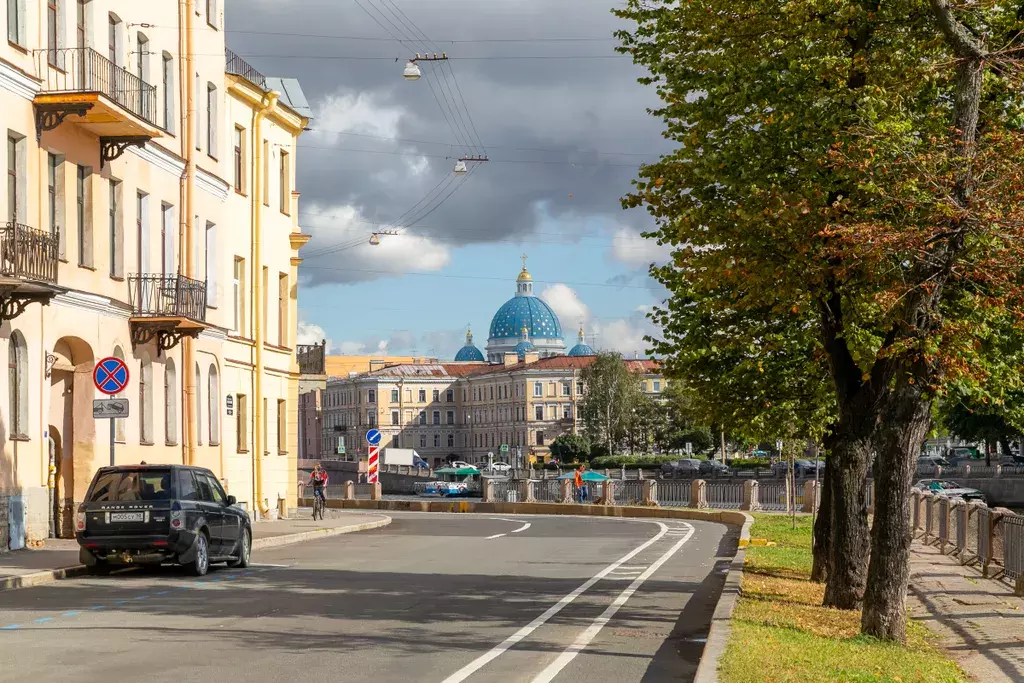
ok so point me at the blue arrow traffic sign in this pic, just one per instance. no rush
(373, 437)
(110, 376)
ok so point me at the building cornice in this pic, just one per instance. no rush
(94, 303)
(212, 184)
(17, 81)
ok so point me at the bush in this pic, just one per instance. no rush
(632, 462)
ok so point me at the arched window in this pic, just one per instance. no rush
(119, 425)
(213, 396)
(146, 401)
(18, 384)
(199, 406)
(170, 404)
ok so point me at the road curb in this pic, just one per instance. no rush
(721, 621)
(52, 575)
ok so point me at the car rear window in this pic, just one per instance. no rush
(131, 485)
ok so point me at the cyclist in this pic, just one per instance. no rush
(319, 480)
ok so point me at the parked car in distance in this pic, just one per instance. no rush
(971, 452)
(501, 467)
(806, 468)
(155, 514)
(686, 466)
(458, 465)
(713, 467)
(932, 461)
(950, 489)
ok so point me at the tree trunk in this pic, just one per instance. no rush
(898, 440)
(823, 529)
(848, 553)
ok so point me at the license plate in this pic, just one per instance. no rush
(127, 517)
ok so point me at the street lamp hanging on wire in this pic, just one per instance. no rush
(412, 68)
(460, 165)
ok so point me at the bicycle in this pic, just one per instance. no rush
(318, 505)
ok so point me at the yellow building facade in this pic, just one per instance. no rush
(121, 229)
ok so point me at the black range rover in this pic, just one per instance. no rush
(152, 514)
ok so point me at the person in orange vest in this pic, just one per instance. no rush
(577, 480)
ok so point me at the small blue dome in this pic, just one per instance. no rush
(529, 312)
(582, 350)
(523, 348)
(469, 354)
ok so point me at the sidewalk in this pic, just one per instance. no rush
(980, 623)
(59, 557)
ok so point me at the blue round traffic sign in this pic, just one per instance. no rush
(373, 437)
(110, 376)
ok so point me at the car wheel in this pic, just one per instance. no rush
(244, 551)
(201, 565)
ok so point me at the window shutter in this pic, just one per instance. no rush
(196, 113)
(214, 124)
(145, 245)
(211, 265)
(169, 268)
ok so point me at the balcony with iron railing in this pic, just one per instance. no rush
(109, 101)
(166, 308)
(312, 358)
(28, 268)
(236, 66)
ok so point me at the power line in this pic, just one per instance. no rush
(399, 58)
(464, 277)
(445, 41)
(490, 161)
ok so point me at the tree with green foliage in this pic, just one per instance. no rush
(679, 424)
(571, 448)
(844, 201)
(611, 392)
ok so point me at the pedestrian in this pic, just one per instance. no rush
(577, 481)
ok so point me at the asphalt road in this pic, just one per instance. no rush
(432, 597)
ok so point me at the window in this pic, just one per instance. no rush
(211, 12)
(437, 417)
(170, 404)
(408, 417)
(437, 440)
(540, 438)
(436, 395)
(451, 441)
(566, 411)
(423, 395)
(266, 296)
(16, 22)
(579, 388)
(450, 417)
(84, 223)
(81, 17)
(16, 204)
(396, 442)
(142, 67)
(211, 120)
(167, 229)
(423, 440)
(394, 417)
(239, 158)
(492, 393)
(212, 286)
(266, 173)
(538, 412)
(242, 422)
(538, 389)
(423, 417)
(17, 352)
(371, 417)
(199, 406)
(657, 386)
(55, 196)
(282, 310)
(238, 288)
(146, 402)
(286, 189)
(142, 232)
(394, 395)
(116, 231)
(566, 389)
(51, 31)
(168, 84)
(114, 39)
(282, 426)
(449, 396)
(371, 396)
(199, 119)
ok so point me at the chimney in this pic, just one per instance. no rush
(636, 355)
(511, 359)
(531, 357)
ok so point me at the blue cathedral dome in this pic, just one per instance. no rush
(469, 353)
(523, 348)
(524, 310)
(582, 348)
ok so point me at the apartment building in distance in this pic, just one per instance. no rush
(149, 214)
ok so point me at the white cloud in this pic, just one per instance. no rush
(632, 249)
(340, 250)
(566, 304)
(625, 335)
(363, 113)
(309, 333)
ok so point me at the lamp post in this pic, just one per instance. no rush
(412, 68)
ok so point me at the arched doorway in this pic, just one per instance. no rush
(55, 446)
(71, 395)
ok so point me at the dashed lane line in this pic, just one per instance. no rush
(522, 528)
(494, 536)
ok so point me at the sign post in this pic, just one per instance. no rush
(110, 377)
(373, 461)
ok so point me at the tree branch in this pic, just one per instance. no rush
(956, 34)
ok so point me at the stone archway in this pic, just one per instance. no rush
(71, 394)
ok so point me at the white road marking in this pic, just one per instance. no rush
(271, 566)
(522, 528)
(494, 536)
(584, 639)
(481, 661)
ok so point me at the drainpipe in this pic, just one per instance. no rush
(269, 104)
(185, 232)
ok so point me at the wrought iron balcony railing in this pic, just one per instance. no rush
(83, 70)
(237, 66)
(175, 296)
(312, 358)
(28, 253)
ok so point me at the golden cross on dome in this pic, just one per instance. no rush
(524, 261)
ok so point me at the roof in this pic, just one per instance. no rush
(570, 363)
(456, 370)
(291, 94)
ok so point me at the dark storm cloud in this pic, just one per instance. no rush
(575, 109)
